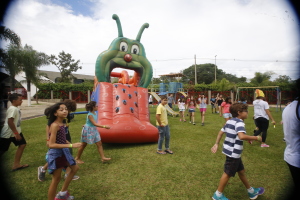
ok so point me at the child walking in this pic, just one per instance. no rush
(59, 155)
(181, 106)
(11, 131)
(90, 134)
(219, 100)
(233, 146)
(202, 104)
(225, 109)
(213, 104)
(163, 127)
(192, 108)
(71, 106)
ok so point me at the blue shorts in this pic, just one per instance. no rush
(191, 109)
(227, 115)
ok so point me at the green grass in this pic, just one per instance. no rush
(137, 172)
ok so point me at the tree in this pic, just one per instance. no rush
(261, 79)
(31, 60)
(283, 79)
(10, 61)
(8, 35)
(66, 65)
(224, 85)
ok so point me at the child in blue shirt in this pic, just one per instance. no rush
(232, 148)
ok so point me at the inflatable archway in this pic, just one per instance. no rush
(124, 105)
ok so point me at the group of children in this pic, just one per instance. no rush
(190, 104)
(59, 157)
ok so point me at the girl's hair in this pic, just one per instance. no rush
(71, 105)
(50, 111)
(193, 100)
(227, 100)
(90, 106)
(181, 100)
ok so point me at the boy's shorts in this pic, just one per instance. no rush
(202, 109)
(233, 165)
(213, 105)
(191, 110)
(5, 142)
(227, 115)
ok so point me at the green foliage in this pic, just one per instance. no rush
(262, 79)
(66, 65)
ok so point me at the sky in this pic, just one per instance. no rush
(240, 36)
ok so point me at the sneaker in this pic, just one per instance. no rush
(264, 145)
(194, 123)
(257, 191)
(215, 197)
(65, 197)
(74, 177)
(283, 140)
(41, 173)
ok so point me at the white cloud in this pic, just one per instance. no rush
(242, 30)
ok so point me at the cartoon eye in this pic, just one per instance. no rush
(135, 49)
(123, 46)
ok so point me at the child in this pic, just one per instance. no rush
(192, 107)
(163, 127)
(181, 106)
(262, 115)
(202, 104)
(232, 148)
(219, 102)
(90, 134)
(11, 131)
(71, 106)
(59, 155)
(213, 104)
(225, 109)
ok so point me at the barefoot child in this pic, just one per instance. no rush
(232, 148)
(90, 134)
(59, 155)
(11, 131)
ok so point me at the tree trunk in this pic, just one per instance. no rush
(36, 96)
(12, 83)
(28, 93)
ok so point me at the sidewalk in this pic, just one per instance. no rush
(35, 110)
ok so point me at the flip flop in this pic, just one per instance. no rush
(19, 168)
(169, 151)
(160, 152)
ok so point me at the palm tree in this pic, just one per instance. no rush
(8, 35)
(261, 79)
(10, 62)
(31, 61)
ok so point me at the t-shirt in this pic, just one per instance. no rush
(213, 100)
(291, 127)
(150, 98)
(226, 107)
(233, 146)
(170, 99)
(260, 107)
(181, 105)
(88, 122)
(202, 102)
(162, 111)
(12, 112)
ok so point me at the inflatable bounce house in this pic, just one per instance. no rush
(124, 105)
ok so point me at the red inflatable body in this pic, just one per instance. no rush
(125, 109)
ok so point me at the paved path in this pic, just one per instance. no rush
(35, 110)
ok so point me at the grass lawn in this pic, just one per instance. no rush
(137, 172)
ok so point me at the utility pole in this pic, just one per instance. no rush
(215, 69)
(195, 71)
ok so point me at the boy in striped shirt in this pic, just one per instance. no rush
(232, 148)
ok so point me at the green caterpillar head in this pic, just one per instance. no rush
(125, 53)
